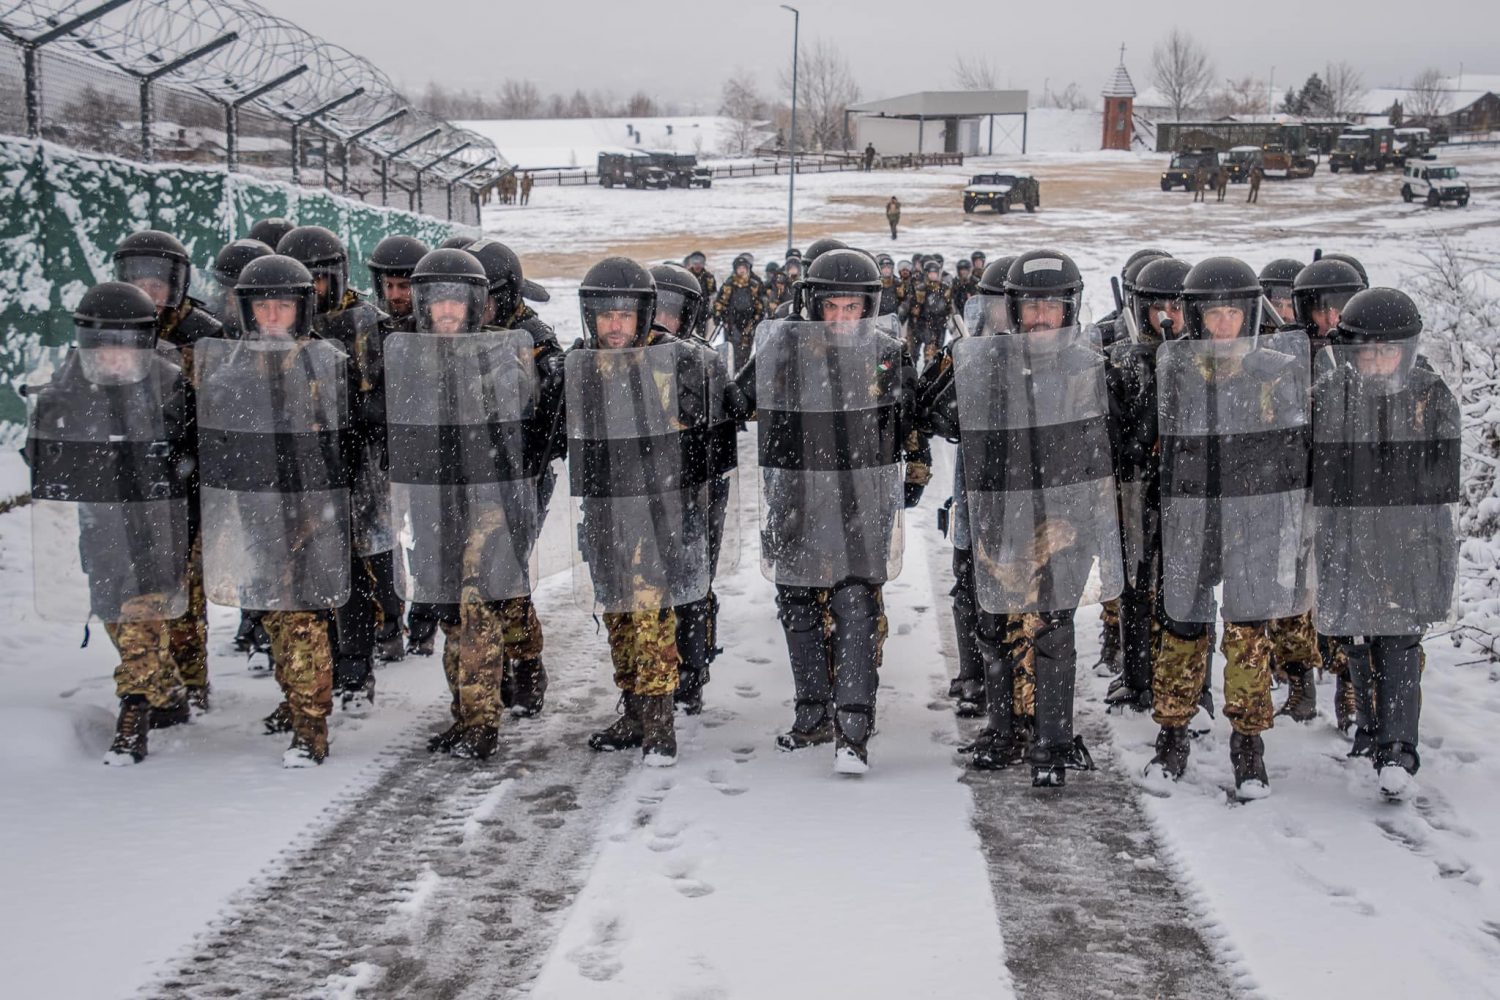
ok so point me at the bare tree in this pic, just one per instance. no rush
(1426, 98)
(825, 88)
(640, 105)
(520, 99)
(742, 104)
(1244, 96)
(975, 72)
(1346, 89)
(1182, 71)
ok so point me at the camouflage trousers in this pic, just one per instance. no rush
(1182, 662)
(643, 649)
(304, 660)
(1294, 642)
(1109, 614)
(187, 637)
(1020, 635)
(478, 638)
(146, 665)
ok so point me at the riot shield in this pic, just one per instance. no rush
(828, 399)
(1041, 492)
(108, 451)
(1385, 487)
(1131, 380)
(1235, 444)
(462, 464)
(638, 472)
(724, 531)
(273, 480)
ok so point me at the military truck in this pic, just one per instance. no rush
(1187, 163)
(1241, 162)
(1363, 147)
(631, 169)
(1412, 144)
(1001, 192)
(682, 169)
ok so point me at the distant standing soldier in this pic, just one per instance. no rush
(893, 214)
(1255, 178)
(527, 183)
(1221, 182)
(1200, 181)
(869, 156)
(739, 306)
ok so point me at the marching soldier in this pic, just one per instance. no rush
(739, 306)
(695, 262)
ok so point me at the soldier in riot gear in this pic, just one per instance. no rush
(1386, 477)
(931, 310)
(739, 306)
(679, 300)
(1029, 411)
(270, 231)
(390, 265)
(1319, 293)
(1153, 315)
(110, 451)
(464, 459)
(371, 619)
(696, 263)
(227, 265)
(965, 283)
(777, 291)
(158, 264)
(1349, 259)
(831, 529)
(272, 414)
(1276, 281)
(637, 398)
(1232, 408)
(889, 284)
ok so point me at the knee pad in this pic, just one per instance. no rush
(853, 603)
(799, 612)
(1186, 631)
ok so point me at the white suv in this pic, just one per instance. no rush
(1433, 183)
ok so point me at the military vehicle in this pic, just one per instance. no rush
(1187, 163)
(1363, 147)
(1001, 192)
(632, 170)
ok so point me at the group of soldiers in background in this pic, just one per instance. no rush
(516, 190)
(355, 474)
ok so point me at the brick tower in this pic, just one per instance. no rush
(1119, 109)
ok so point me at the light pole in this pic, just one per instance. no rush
(791, 187)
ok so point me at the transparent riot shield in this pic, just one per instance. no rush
(1041, 492)
(639, 474)
(109, 452)
(1131, 381)
(1385, 485)
(463, 466)
(725, 530)
(1235, 444)
(273, 480)
(828, 400)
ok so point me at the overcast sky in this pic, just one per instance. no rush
(682, 50)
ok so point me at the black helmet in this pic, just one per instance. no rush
(678, 294)
(1378, 316)
(1324, 284)
(903, 265)
(616, 284)
(819, 247)
(1133, 267)
(772, 268)
(932, 266)
(696, 258)
(937, 257)
(1352, 261)
(793, 264)
(502, 271)
(455, 243)
(840, 272)
(157, 263)
(1217, 283)
(1146, 253)
(885, 260)
(1046, 275)
(742, 259)
(1160, 280)
(963, 265)
(1281, 271)
(393, 257)
(280, 278)
(324, 256)
(992, 281)
(977, 256)
(115, 314)
(793, 253)
(449, 276)
(233, 258)
(270, 231)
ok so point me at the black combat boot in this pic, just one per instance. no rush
(689, 692)
(1172, 747)
(1345, 703)
(443, 741)
(994, 749)
(421, 636)
(658, 732)
(175, 714)
(390, 642)
(1301, 703)
(528, 688)
(477, 742)
(1397, 764)
(853, 725)
(1248, 755)
(197, 698)
(279, 721)
(1109, 647)
(1050, 764)
(129, 746)
(812, 726)
(626, 733)
(309, 742)
(359, 697)
(971, 700)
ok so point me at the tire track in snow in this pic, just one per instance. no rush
(447, 878)
(1087, 906)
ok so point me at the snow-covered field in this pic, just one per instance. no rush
(743, 872)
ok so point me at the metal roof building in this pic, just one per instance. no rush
(949, 107)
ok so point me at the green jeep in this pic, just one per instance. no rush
(1001, 191)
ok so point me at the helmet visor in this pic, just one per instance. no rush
(614, 320)
(987, 316)
(676, 310)
(162, 278)
(448, 307)
(115, 355)
(330, 281)
(1319, 310)
(273, 314)
(841, 305)
(1223, 318)
(1378, 367)
(1032, 313)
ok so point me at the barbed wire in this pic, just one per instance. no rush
(241, 57)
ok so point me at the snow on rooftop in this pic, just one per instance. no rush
(577, 142)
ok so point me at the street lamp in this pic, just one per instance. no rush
(791, 187)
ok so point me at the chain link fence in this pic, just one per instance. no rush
(216, 83)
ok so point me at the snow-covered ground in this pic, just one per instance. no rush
(743, 872)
